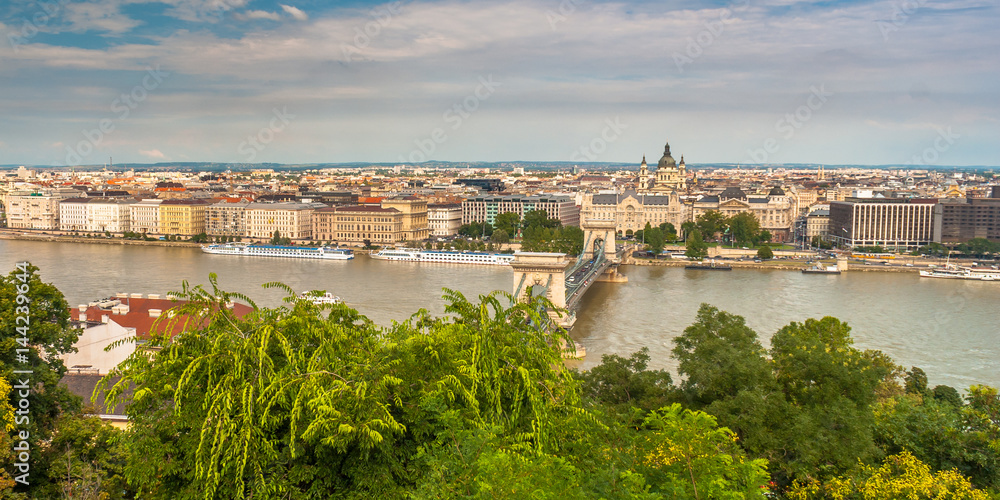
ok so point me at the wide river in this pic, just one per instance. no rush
(950, 328)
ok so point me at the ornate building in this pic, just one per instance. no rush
(669, 175)
(776, 212)
(631, 210)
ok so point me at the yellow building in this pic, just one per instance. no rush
(182, 217)
(354, 225)
(414, 216)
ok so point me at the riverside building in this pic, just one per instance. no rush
(487, 208)
(892, 223)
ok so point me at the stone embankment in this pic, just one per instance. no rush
(20, 235)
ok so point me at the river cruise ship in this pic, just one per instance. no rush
(444, 256)
(963, 273)
(327, 253)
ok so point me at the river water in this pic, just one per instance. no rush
(949, 328)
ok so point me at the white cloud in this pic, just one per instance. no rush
(153, 153)
(295, 12)
(258, 14)
(98, 16)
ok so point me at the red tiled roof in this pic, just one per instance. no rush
(138, 316)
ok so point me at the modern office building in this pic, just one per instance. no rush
(486, 208)
(892, 223)
(958, 221)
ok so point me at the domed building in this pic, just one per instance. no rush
(669, 175)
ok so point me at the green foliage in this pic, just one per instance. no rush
(696, 247)
(822, 243)
(710, 223)
(476, 230)
(540, 218)
(201, 238)
(934, 249)
(765, 253)
(655, 241)
(49, 336)
(694, 458)
(312, 399)
(669, 231)
(84, 459)
(508, 222)
(623, 383)
(744, 228)
(978, 247)
(500, 237)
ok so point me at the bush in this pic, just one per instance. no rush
(765, 253)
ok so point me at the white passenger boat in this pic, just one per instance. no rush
(320, 297)
(963, 273)
(280, 251)
(444, 256)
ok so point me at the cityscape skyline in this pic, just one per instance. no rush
(750, 82)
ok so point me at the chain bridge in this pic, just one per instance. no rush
(564, 279)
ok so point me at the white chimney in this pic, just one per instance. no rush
(83, 308)
(124, 308)
(104, 318)
(155, 313)
(154, 296)
(121, 295)
(136, 295)
(171, 297)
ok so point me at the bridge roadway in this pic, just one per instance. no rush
(578, 282)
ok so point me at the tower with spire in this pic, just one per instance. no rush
(643, 175)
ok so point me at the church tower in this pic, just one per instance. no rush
(643, 175)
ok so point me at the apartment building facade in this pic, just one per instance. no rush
(291, 220)
(486, 208)
(894, 224)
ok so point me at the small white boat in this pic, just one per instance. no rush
(320, 298)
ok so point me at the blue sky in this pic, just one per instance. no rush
(303, 81)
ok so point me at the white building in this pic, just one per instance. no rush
(73, 214)
(444, 220)
(291, 220)
(33, 211)
(106, 215)
(144, 216)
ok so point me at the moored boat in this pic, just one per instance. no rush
(821, 269)
(963, 273)
(320, 297)
(326, 253)
(709, 266)
(444, 256)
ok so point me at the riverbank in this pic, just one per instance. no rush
(774, 265)
(8, 234)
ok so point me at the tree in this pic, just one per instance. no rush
(540, 218)
(709, 223)
(833, 387)
(669, 231)
(765, 253)
(933, 248)
(508, 222)
(699, 458)
(500, 237)
(687, 227)
(744, 228)
(655, 240)
(308, 400)
(696, 247)
(626, 382)
(48, 336)
(900, 476)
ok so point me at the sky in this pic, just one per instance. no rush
(310, 81)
